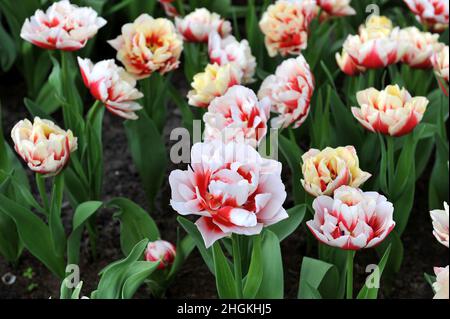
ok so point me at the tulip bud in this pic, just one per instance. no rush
(161, 251)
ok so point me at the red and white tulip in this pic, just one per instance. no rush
(161, 251)
(353, 219)
(431, 13)
(197, 25)
(440, 63)
(347, 65)
(231, 187)
(391, 111)
(113, 86)
(228, 50)
(44, 146)
(290, 91)
(237, 116)
(169, 8)
(440, 286)
(63, 26)
(440, 225)
(336, 8)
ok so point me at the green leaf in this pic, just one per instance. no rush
(286, 227)
(292, 153)
(8, 51)
(254, 277)
(140, 271)
(184, 249)
(226, 286)
(55, 223)
(317, 276)
(438, 190)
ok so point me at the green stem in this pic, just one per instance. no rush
(40, 182)
(349, 286)
(146, 89)
(391, 159)
(237, 264)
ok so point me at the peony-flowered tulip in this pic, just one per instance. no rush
(212, 83)
(231, 187)
(148, 45)
(336, 8)
(62, 26)
(420, 46)
(431, 13)
(290, 91)
(113, 86)
(43, 145)
(440, 224)
(237, 116)
(440, 63)
(285, 25)
(441, 285)
(327, 170)
(169, 8)
(392, 111)
(228, 50)
(197, 25)
(161, 251)
(353, 219)
(347, 65)
(374, 46)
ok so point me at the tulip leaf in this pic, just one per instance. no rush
(55, 223)
(292, 153)
(285, 228)
(8, 51)
(318, 278)
(184, 249)
(254, 277)
(136, 276)
(438, 190)
(226, 285)
(395, 260)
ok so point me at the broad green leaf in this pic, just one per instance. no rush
(54, 221)
(139, 272)
(255, 273)
(8, 51)
(322, 277)
(285, 228)
(292, 153)
(226, 285)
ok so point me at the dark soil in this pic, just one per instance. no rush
(422, 251)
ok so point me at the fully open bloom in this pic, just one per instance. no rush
(327, 170)
(347, 65)
(237, 116)
(161, 251)
(231, 187)
(197, 25)
(214, 82)
(148, 45)
(440, 63)
(440, 224)
(336, 8)
(289, 91)
(432, 13)
(63, 26)
(353, 219)
(420, 46)
(113, 86)
(228, 50)
(374, 46)
(169, 8)
(285, 25)
(392, 111)
(43, 145)
(441, 285)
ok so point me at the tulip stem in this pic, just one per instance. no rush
(350, 258)
(391, 159)
(40, 182)
(237, 265)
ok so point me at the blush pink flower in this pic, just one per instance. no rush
(440, 63)
(431, 13)
(290, 91)
(161, 251)
(336, 8)
(237, 116)
(231, 187)
(353, 219)
(440, 286)
(392, 111)
(197, 25)
(440, 224)
(113, 86)
(347, 65)
(62, 26)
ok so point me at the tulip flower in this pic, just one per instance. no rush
(336, 8)
(148, 45)
(392, 111)
(431, 13)
(441, 285)
(290, 91)
(420, 46)
(196, 26)
(285, 25)
(169, 8)
(237, 116)
(352, 220)
(440, 224)
(161, 251)
(228, 50)
(62, 26)
(113, 86)
(212, 83)
(43, 145)
(440, 63)
(231, 187)
(327, 170)
(347, 65)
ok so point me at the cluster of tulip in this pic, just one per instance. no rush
(237, 194)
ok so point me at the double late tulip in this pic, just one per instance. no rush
(440, 63)
(197, 25)
(161, 251)
(431, 13)
(113, 86)
(231, 187)
(148, 45)
(327, 170)
(392, 111)
(440, 224)
(440, 286)
(290, 91)
(63, 26)
(347, 65)
(43, 145)
(336, 8)
(237, 116)
(353, 219)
